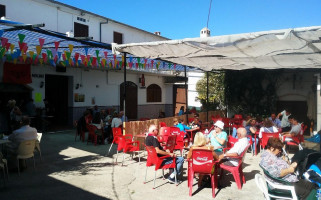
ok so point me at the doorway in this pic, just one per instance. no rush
(56, 88)
(131, 99)
(179, 98)
(297, 108)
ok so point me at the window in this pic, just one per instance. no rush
(2, 10)
(80, 30)
(154, 93)
(118, 38)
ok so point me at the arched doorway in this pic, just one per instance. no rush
(131, 99)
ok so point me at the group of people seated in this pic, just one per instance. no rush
(201, 141)
(271, 158)
(103, 119)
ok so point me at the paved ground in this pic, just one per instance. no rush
(75, 170)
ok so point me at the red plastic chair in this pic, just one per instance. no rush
(92, 134)
(170, 143)
(179, 145)
(174, 130)
(154, 160)
(117, 132)
(231, 141)
(129, 146)
(237, 171)
(164, 132)
(202, 162)
(296, 140)
(266, 136)
(162, 124)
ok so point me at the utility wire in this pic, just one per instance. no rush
(209, 12)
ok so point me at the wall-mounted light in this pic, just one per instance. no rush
(77, 86)
(42, 84)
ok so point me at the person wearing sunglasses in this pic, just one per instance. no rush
(218, 137)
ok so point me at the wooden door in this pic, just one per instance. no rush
(131, 100)
(179, 98)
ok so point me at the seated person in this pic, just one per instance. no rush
(218, 137)
(200, 143)
(179, 123)
(251, 130)
(116, 121)
(295, 129)
(196, 122)
(236, 150)
(275, 120)
(22, 134)
(151, 140)
(272, 162)
(267, 127)
(97, 121)
(181, 111)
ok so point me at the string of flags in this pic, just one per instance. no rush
(69, 57)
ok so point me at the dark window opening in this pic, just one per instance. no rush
(2, 10)
(118, 38)
(154, 93)
(81, 30)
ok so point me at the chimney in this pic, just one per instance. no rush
(157, 33)
(205, 32)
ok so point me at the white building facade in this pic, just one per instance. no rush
(97, 87)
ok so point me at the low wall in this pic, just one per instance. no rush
(140, 127)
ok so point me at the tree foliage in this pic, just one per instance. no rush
(245, 91)
(216, 91)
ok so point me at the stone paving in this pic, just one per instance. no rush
(75, 170)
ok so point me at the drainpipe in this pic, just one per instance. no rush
(100, 29)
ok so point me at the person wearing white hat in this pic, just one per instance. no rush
(218, 137)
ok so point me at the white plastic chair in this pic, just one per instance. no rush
(26, 150)
(278, 189)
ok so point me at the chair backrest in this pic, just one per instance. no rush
(26, 148)
(174, 130)
(117, 132)
(226, 121)
(170, 144)
(151, 155)
(244, 153)
(231, 141)
(266, 136)
(162, 124)
(202, 161)
(164, 131)
(121, 141)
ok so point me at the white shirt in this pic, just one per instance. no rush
(238, 148)
(116, 122)
(24, 133)
(263, 128)
(285, 119)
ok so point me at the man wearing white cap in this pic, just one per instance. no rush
(218, 137)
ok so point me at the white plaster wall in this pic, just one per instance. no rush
(61, 19)
(108, 91)
(303, 84)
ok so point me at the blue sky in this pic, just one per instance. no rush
(177, 19)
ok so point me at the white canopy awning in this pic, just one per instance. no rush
(290, 48)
